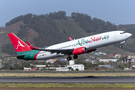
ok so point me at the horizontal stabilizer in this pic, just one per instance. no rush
(33, 48)
(20, 56)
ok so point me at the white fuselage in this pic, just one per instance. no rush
(90, 42)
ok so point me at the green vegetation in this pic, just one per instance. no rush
(8, 48)
(58, 85)
(67, 74)
(92, 25)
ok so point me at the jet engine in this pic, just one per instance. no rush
(82, 50)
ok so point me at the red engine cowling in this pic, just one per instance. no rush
(81, 50)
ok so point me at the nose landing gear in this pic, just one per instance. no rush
(121, 46)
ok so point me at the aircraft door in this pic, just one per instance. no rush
(115, 36)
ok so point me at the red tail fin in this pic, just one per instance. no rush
(18, 44)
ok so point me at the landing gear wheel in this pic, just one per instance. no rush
(75, 56)
(121, 46)
(69, 58)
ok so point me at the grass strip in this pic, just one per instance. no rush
(58, 85)
(63, 74)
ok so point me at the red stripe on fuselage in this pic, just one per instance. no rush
(36, 55)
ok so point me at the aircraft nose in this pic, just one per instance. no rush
(128, 34)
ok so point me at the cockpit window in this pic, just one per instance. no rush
(122, 32)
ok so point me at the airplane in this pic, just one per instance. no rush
(73, 47)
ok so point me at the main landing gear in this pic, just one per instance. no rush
(121, 46)
(69, 58)
(75, 56)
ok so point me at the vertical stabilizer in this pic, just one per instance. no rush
(18, 44)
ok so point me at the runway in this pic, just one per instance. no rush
(106, 80)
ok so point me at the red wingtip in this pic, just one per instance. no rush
(70, 38)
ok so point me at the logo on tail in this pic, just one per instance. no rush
(19, 44)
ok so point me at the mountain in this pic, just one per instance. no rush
(126, 27)
(52, 28)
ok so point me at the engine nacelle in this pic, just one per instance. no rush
(82, 50)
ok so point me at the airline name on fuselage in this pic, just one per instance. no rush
(86, 41)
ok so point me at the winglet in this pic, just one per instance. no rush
(70, 38)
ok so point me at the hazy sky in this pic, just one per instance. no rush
(115, 11)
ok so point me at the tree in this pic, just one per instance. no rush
(24, 64)
(92, 25)
(8, 48)
(58, 63)
(6, 66)
(70, 68)
(101, 63)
